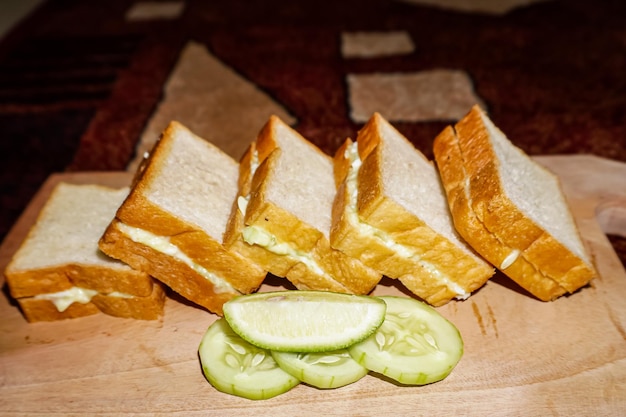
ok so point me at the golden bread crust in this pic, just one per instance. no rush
(138, 211)
(106, 280)
(41, 281)
(174, 273)
(29, 283)
(233, 236)
(492, 223)
(350, 272)
(341, 164)
(238, 270)
(266, 214)
(62, 271)
(139, 308)
(341, 272)
(365, 247)
(244, 181)
(35, 310)
(378, 210)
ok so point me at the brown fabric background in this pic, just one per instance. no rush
(78, 82)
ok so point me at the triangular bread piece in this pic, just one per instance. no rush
(510, 209)
(172, 223)
(58, 272)
(391, 213)
(283, 219)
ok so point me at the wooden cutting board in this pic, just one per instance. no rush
(522, 356)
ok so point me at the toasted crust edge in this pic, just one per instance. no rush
(63, 276)
(343, 273)
(139, 308)
(174, 273)
(534, 269)
(137, 211)
(378, 210)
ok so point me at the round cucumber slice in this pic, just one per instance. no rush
(321, 370)
(236, 367)
(415, 345)
(304, 321)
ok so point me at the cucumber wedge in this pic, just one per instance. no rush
(321, 370)
(236, 367)
(415, 345)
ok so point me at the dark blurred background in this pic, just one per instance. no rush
(80, 81)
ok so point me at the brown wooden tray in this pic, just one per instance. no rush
(522, 356)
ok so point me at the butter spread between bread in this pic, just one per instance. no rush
(63, 299)
(162, 244)
(352, 155)
(254, 235)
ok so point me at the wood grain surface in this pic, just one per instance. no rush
(522, 356)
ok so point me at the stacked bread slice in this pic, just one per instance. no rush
(510, 209)
(58, 272)
(211, 228)
(391, 213)
(283, 216)
(172, 223)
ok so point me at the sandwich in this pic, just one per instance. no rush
(172, 223)
(391, 213)
(510, 209)
(283, 214)
(58, 272)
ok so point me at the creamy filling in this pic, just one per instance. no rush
(352, 154)
(254, 235)
(164, 245)
(509, 259)
(63, 299)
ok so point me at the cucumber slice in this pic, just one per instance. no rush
(321, 370)
(236, 367)
(304, 321)
(415, 345)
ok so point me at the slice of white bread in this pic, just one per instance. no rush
(391, 213)
(59, 272)
(510, 209)
(172, 223)
(283, 216)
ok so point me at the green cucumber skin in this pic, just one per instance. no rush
(404, 378)
(381, 353)
(299, 345)
(233, 366)
(386, 351)
(307, 369)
